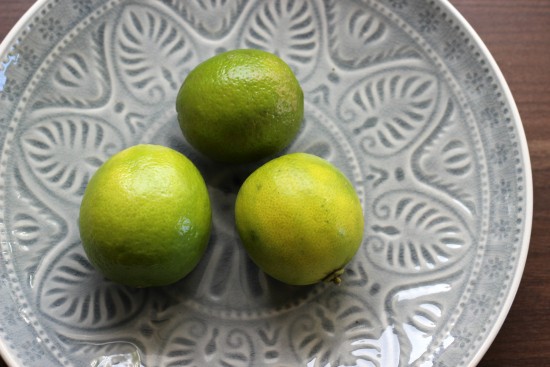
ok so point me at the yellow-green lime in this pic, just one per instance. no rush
(299, 219)
(240, 106)
(145, 216)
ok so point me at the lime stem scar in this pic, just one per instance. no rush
(334, 277)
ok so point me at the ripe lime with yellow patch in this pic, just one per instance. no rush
(300, 219)
(240, 106)
(145, 216)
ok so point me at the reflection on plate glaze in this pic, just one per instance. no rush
(397, 95)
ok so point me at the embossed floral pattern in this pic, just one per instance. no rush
(358, 36)
(63, 152)
(501, 229)
(503, 191)
(399, 4)
(212, 19)
(499, 154)
(317, 332)
(481, 304)
(446, 160)
(474, 82)
(50, 28)
(152, 53)
(75, 73)
(76, 295)
(409, 233)
(199, 344)
(415, 310)
(82, 6)
(354, 29)
(494, 267)
(428, 21)
(32, 354)
(27, 59)
(289, 29)
(463, 338)
(453, 49)
(11, 91)
(389, 109)
(490, 116)
(8, 316)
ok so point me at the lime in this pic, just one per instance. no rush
(145, 216)
(299, 219)
(240, 106)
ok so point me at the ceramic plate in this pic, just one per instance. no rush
(400, 94)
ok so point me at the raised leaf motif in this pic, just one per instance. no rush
(446, 160)
(212, 18)
(412, 233)
(456, 158)
(36, 228)
(153, 54)
(196, 343)
(358, 36)
(79, 78)
(75, 76)
(63, 152)
(71, 292)
(418, 313)
(74, 69)
(389, 109)
(353, 28)
(289, 29)
(317, 334)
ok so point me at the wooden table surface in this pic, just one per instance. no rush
(517, 32)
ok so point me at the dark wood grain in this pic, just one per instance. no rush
(517, 32)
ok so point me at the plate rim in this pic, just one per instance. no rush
(524, 149)
(9, 40)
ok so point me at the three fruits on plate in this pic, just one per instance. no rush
(145, 217)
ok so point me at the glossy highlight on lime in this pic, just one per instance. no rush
(145, 217)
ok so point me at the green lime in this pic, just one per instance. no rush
(240, 106)
(145, 216)
(299, 219)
